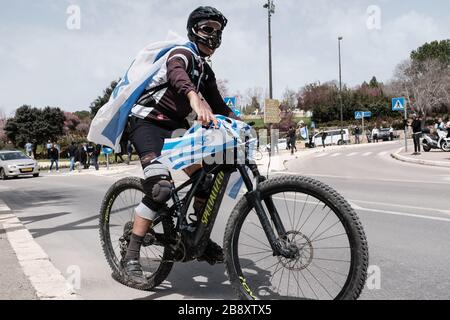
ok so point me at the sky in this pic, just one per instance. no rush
(47, 58)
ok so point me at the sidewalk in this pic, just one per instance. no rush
(27, 272)
(14, 284)
(435, 158)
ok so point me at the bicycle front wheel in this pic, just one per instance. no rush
(332, 258)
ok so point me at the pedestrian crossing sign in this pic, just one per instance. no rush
(232, 104)
(398, 104)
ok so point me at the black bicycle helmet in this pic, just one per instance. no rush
(212, 41)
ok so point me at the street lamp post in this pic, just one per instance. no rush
(270, 6)
(340, 89)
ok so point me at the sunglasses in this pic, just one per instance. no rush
(208, 30)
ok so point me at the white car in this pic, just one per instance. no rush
(333, 137)
(282, 145)
(16, 164)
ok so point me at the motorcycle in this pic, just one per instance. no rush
(436, 141)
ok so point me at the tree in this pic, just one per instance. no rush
(100, 101)
(222, 85)
(35, 125)
(290, 99)
(253, 100)
(3, 137)
(83, 115)
(439, 50)
(71, 121)
(374, 83)
(425, 84)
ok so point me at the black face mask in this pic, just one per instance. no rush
(208, 36)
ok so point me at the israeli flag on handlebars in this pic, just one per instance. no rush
(199, 143)
(109, 123)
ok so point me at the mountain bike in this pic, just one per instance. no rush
(288, 237)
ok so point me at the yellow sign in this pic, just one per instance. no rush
(272, 111)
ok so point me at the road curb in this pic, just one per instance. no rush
(432, 163)
(46, 279)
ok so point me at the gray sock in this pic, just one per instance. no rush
(134, 247)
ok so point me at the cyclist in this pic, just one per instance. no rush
(191, 86)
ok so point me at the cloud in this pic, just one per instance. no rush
(44, 63)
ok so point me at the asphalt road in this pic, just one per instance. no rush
(404, 209)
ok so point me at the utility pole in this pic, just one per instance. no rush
(340, 89)
(270, 6)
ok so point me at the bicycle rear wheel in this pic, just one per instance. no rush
(333, 254)
(116, 223)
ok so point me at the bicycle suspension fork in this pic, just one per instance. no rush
(254, 199)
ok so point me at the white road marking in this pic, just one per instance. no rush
(383, 153)
(359, 208)
(364, 178)
(446, 212)
(335, 155)
(395, 213)
(321, 155)
(48, 281)
(367, 154)
(352, 154)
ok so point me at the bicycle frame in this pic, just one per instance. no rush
(195, 240)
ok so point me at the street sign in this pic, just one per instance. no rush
(398, 104)
(361, 115)
(231, 102)
(107, 151)
(272, 112)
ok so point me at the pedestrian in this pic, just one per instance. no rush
(71, 153)
(129, 151)
(292, 139)
(54, 157)
(324, 136)
(49, 147)
(83, 156)
(90, 150)
(357, 135)
(447, 126)
(440, 125)
(9, 145)
(391, 133)
(375, 134)
(123, 150)
(417, 133)
(29, 149)
(95, 155)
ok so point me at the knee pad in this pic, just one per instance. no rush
(157, 187)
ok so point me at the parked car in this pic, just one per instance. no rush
(385, 134)
(282, 145)
(333, 137)
(16, 164)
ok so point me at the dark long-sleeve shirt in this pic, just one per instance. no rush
(170, 106)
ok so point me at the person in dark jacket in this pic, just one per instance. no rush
(324, 136)
(292, 139)
(54, 158)
(71, 152)
(191, 86)
(417, 134)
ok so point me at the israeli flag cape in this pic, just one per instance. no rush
(199, 143)
(109, 123)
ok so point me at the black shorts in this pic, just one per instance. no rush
(148, 138)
